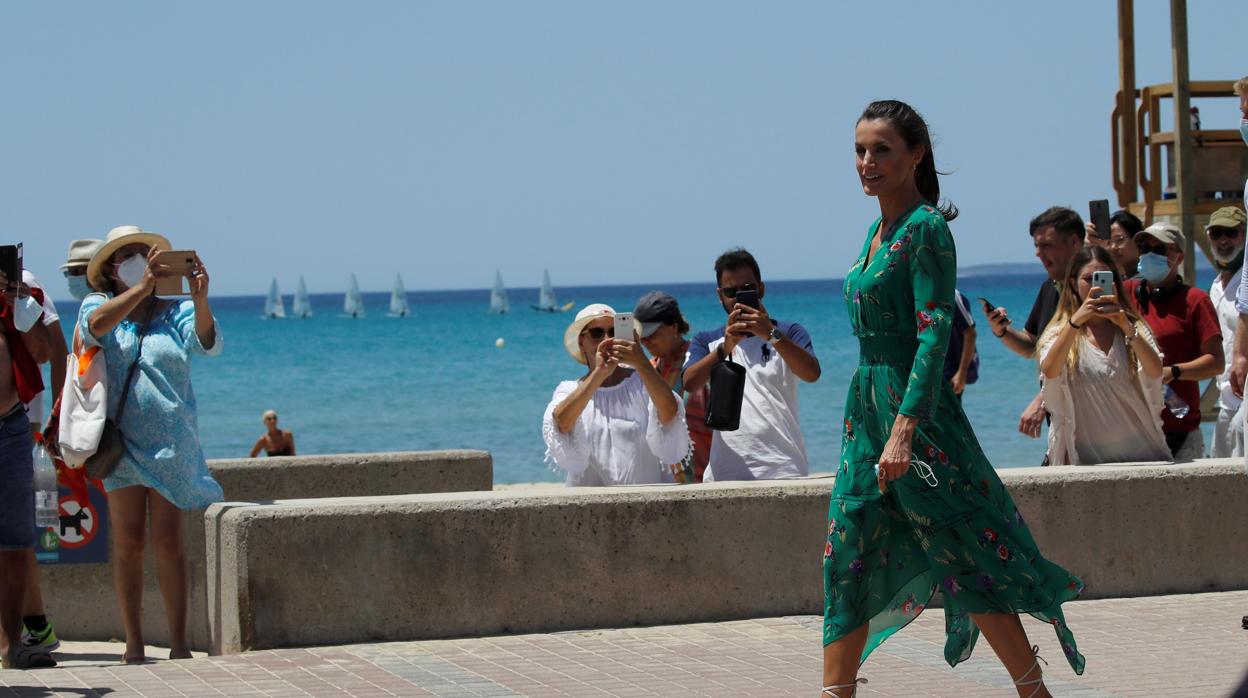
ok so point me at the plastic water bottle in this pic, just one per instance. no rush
(1177, 405)
(47, 511)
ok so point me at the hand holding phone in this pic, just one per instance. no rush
(1098, 211)
(177, 266)
(1102, 284)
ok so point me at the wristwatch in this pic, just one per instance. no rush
(776, 335)
(1175, 372)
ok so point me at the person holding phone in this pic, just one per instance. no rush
(916, 506)
(777, 356)
(23, 344)
(162, 470)
(1057, 234)
(620, 423)
(1102, 371)
(1120, 243)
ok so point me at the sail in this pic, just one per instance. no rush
(546, 298)
(398, 299)
(353, 305)
(498, 297)
(302, 307)
(273, 305)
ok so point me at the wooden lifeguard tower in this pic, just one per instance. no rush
(1203, 171)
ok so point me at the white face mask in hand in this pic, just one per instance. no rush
(130, 272)
(26, 312)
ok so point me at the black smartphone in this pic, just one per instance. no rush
(11, 263)
(988, 306)
(1098, 209)
(747, 295)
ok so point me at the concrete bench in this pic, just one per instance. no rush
(334, 571)
(81, 600)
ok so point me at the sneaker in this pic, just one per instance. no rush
(30, 658)
(43, 639)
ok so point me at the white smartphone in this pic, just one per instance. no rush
(1103, 280)
(624, 326)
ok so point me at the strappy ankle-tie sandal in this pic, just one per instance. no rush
(1038, 682)
(835, 689)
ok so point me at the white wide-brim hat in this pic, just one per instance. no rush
(80, 253)
(118, 238)
(572, 335)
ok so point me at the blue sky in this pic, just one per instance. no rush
(610, 143)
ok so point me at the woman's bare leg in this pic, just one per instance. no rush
(170, 569)
(127, 510)
(1005, 634)
(841, 659)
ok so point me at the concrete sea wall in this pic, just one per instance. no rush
(340, 570)
(80, 598)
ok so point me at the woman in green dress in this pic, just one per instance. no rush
(899, 532)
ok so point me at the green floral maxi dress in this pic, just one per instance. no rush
(886, 554)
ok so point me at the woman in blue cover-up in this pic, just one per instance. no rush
(944, 521)
(162, 470)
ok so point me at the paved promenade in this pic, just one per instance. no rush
(1189, 645)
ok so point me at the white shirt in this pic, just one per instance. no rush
(52, 321)
(1103, 413)
(1224, 302)
(768, 445)
(617, 440)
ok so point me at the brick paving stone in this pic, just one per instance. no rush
(1187, 645)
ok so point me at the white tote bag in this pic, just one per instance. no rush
(84, 406)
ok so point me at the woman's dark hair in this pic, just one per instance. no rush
(1128, 221)
(913, 130)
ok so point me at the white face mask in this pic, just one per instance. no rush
(130, 272)
(26, 312)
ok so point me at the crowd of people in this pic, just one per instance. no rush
(1119, 337)
(146, 343)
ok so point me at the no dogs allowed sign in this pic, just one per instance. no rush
(81, 535)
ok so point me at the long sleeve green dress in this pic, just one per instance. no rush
(886, 554)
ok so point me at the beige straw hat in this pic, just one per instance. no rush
(80, 253)
(118, 238)
(572, 335)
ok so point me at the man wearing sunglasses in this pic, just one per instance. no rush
(776, 355)
(1186, 327)
(1226, 238)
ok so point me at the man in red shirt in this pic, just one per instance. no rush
(20, 380)
(1185, 324)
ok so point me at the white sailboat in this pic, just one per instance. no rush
(399, 306)
(353, 304)
(302, 306)
(273, 306)
(546, 301)
(498, 297)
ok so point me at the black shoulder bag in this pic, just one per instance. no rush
(727, 393)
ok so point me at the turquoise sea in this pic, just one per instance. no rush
(436, 379)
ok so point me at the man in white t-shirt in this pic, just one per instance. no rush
(777, 356)
(1226, 238)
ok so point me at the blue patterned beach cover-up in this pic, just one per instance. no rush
(160, 428)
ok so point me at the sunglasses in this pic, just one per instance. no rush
(597, 333)
(732, 291)
(1219, 233)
